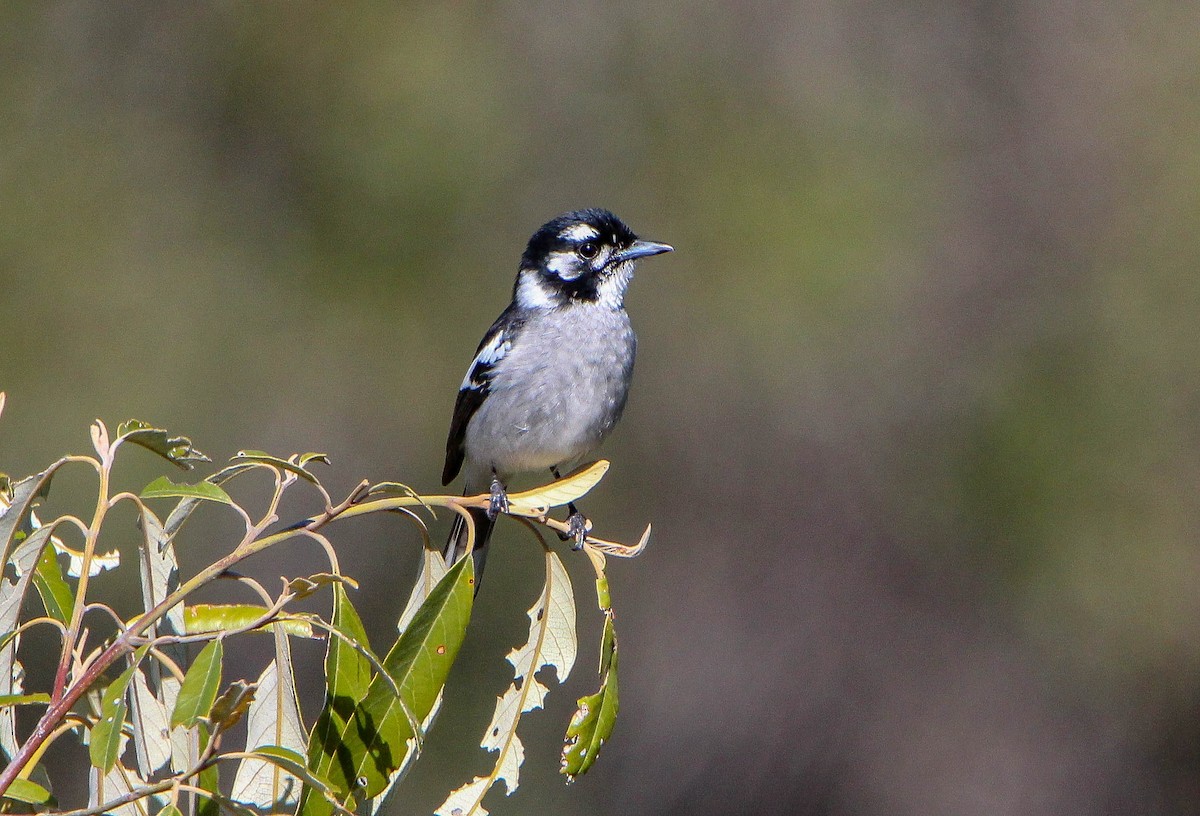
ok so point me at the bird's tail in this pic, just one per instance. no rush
(456, 545)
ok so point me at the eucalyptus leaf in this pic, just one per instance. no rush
(151, 730)
(361, 756)
(202, 618)
(570, 489)
(113, 708)
(273, 724)
(14, 583)
(261, 458)
(57, 597)
(105, 742)
(177, 450)
(552, 643)
(160, 577)
(231, 706)
(22, 790)
(200, 684)
(164, 488)
(347, 680)
(593, 721)
(118, 782)
(303, 587)
(18, 502)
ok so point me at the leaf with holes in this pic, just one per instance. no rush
(552, 643)
(593, 722)
(177, 450)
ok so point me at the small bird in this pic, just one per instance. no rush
(550, 378)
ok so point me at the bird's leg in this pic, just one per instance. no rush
(578, 525)
(499, 500)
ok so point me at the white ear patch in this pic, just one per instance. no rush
(564, 264)
(580, 232)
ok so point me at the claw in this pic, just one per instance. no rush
(499, 500)
(577, 528)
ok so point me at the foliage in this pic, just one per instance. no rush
(157, 725)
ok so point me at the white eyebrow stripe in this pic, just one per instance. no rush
(580, 232)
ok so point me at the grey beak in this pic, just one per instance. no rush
(642, 249)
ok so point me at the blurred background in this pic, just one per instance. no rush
(915, 413)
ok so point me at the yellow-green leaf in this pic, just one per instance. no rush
(22, 790)
(556, 494)
(105, 741)
(202, 618)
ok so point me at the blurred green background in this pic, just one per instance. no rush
(916, 405)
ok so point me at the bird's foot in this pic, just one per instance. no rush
(578, 526)
(499, 501)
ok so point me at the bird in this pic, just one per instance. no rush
(550, 378)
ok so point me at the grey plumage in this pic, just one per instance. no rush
(550, 378)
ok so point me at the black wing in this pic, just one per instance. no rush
(475, 386)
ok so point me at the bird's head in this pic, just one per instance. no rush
(585, 255)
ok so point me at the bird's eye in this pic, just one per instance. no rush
(589, 250)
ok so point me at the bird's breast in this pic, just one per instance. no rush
(561, 390)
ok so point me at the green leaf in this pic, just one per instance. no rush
(200, 684)
(170, 810)
(22, 790)
(105, 743)
(177, 450)
(347, 679)
(596, 716)
(24, 699)
(202, 618)
(56, 595)
(372, 744)
(209, 780)
(186, 507)
(164, 488)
